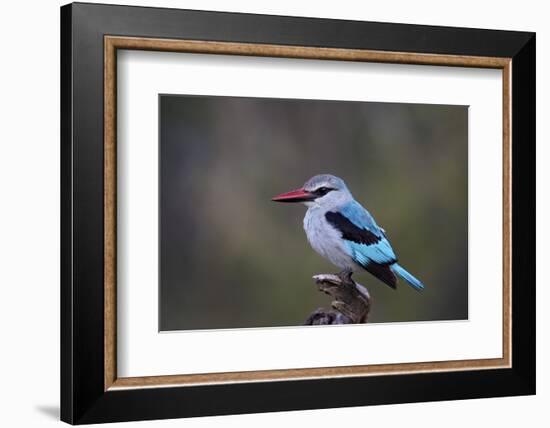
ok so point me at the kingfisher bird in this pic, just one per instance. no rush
(345, 233)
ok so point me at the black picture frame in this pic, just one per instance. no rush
(83, 396)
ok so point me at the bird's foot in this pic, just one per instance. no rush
(345, 277)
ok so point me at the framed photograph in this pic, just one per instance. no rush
(267, 213)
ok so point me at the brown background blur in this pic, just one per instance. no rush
(229, 257)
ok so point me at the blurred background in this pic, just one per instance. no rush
(231, 258)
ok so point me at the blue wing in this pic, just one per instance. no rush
(379, 251)
(366, 241)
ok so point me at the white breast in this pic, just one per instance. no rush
(326, 240)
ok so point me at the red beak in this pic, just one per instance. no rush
(298, 195)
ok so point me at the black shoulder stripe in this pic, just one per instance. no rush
(350, 231)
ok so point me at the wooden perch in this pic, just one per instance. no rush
(351, 304)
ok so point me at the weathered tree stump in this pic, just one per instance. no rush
(351, 304)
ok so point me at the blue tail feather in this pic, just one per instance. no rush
(415, 283)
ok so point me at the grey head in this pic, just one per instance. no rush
(320, 191)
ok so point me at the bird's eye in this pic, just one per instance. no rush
(323, 191)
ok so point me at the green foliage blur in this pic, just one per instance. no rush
(231, 258)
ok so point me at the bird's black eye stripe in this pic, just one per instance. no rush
(322, 191)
